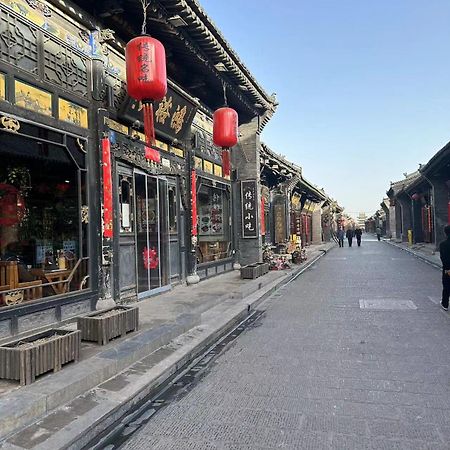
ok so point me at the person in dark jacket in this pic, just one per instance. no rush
(349, 235)
(340, 236)
(444, 249)
(358, 234)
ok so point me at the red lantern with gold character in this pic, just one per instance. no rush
(146, 79)
(225, 134)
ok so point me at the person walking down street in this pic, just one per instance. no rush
(349, 236)
(340, 236)
(378, 231)
(358, 234)
(444, 249)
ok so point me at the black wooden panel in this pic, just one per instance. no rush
(18, 43)
(65, 67)
(127, 265)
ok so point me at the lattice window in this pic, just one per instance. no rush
(18, 43)
(65, 68)
(119, 88)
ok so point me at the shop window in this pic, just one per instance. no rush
(44, 219)
(173, 226)
(125, 200)
(214, 233)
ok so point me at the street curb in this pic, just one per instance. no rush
(114, 411)
(416, 254)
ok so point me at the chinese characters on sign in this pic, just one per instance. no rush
(249, 209)
(280, 220)
(173, 114)
(144, 57)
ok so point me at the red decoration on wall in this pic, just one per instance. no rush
(12, 205)
(152, 155)
(107, 189)
(194, 202)
(150, 257)
(225, 127)
(146, 80)
(263, 217)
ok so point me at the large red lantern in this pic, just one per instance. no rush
(12, 207)
(225, 134)
(146, 79)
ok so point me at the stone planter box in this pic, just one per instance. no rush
(250, 271)
(35, 355)
(102, 326)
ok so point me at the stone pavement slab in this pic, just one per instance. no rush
(173, 328)
(319, 372)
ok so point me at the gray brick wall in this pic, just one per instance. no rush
(245, 157)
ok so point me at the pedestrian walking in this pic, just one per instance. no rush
(378, 231)
(358, 234)
(340, 236)
(349, 236)
(444, 249)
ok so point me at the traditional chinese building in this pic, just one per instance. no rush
(292, 205)
(85, 215)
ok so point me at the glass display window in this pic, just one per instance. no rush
(44, 218)
(214, 233)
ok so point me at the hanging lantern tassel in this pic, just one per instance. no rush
(226, 162)
(149, 126)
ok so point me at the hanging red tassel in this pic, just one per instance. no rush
(149, 127)
(226, 163)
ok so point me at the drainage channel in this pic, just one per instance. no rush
(172, 390)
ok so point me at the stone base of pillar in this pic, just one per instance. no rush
(193, 278)
(236, 266)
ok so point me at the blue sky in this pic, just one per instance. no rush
(363, 86)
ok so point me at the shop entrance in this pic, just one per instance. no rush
(152, 234)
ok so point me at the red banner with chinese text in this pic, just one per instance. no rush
(107, 189)
(194, 202)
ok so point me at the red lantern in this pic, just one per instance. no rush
(225, 127)
(12, 208)
(225, 134)
(415, 196)
(146, 78)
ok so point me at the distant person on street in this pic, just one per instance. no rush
(378, 231)
(349, 236)
(444, 249)
(358, 234)
(340, 236)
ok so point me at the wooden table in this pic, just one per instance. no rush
(52, 276)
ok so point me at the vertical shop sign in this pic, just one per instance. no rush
(280, 219)
(249, 209)
(194, 202)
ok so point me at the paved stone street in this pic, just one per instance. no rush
(354, 354)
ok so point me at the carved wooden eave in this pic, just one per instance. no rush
(289, 174)
(200, 43)
(218, 50)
